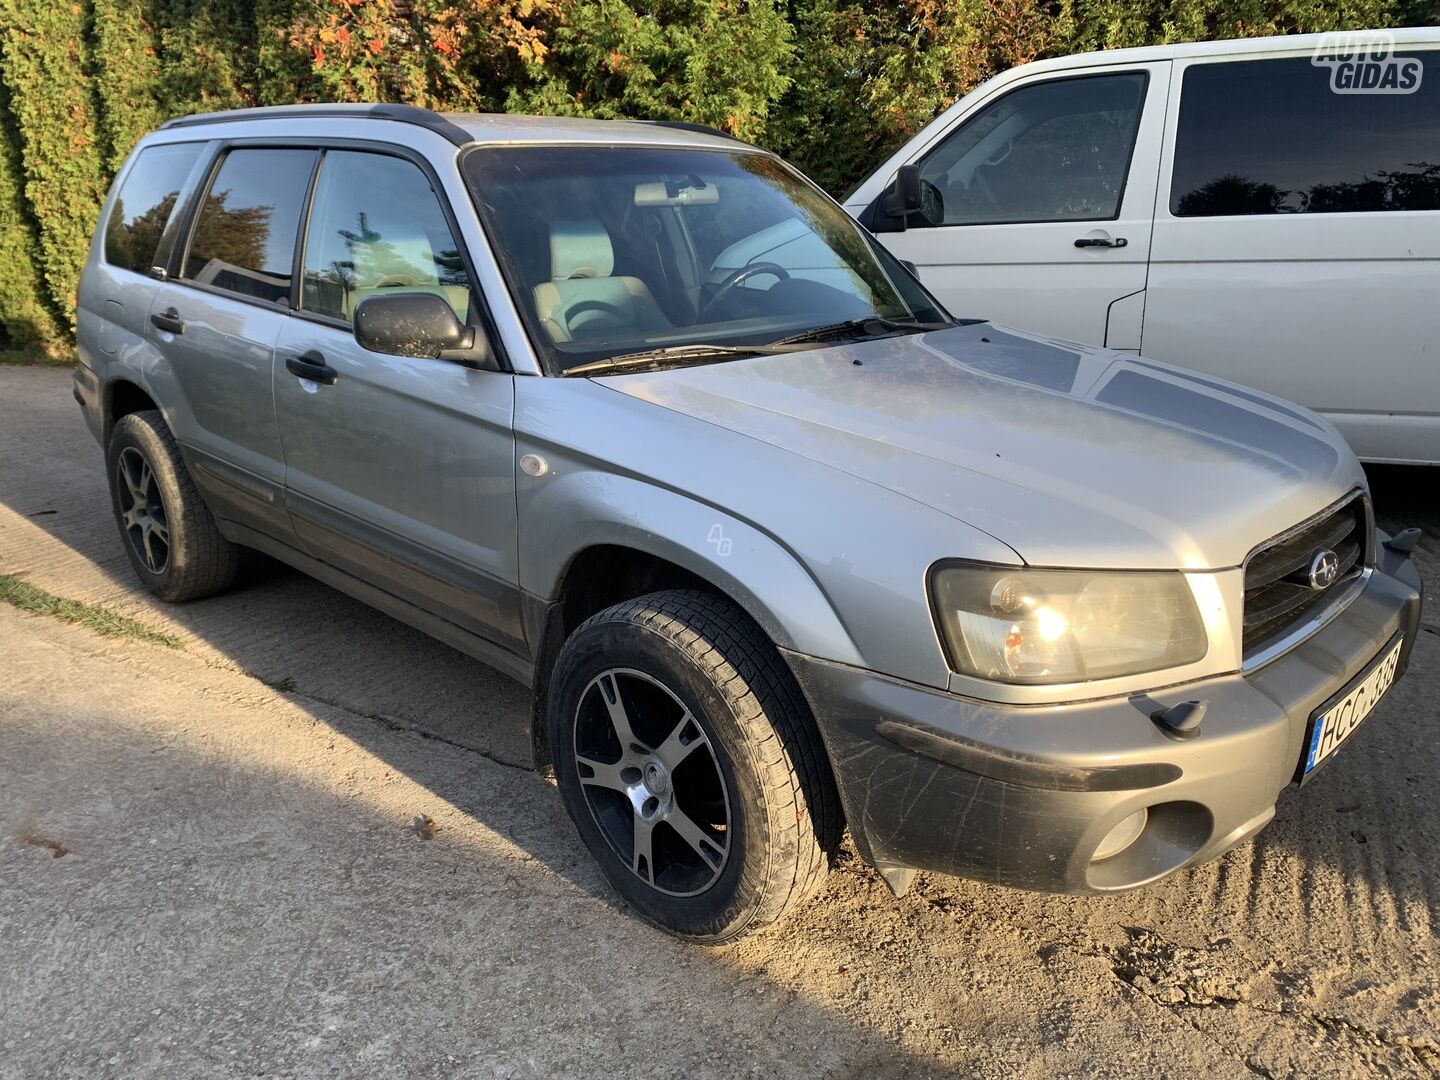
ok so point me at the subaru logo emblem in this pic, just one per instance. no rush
(1324, 569)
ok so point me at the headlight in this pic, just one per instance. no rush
(1059, 626)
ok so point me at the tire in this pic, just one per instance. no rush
(706, 698)
(166, 528)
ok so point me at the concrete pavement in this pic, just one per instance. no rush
(208, 867)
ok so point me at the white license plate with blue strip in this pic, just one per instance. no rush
(1339, 720)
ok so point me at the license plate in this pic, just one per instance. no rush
(1337, 721)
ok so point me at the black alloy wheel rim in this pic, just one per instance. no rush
(652, 783)
(142, 511)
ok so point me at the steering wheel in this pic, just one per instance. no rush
(398, 281)
(743, 274)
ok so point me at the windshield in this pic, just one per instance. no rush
(613, 251)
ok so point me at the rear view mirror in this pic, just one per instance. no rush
(904, 196)
(421, 325)
(663, 193)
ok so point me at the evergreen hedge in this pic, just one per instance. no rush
(26, 320)
(831, 84)
(51, 103)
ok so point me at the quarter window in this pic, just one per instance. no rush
(244, 236)
(377, 227)
(144, 204)
(1052, 151)
(1293, 137)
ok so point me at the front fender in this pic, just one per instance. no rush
(741, 560)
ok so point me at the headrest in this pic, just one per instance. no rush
(580, 249)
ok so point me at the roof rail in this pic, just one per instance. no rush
(685, 125)
(405, 114)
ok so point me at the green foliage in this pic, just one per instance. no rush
(832, 84)
(708, 61)
(207, 55)
(53, 106)
(282, 71)
(26, 322)
(127, 72)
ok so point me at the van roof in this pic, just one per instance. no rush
(463, 129)
(1230, 47)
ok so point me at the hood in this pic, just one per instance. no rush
(1071, 455)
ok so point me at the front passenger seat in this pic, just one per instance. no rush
(582, 299)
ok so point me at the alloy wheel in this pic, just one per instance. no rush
(142, 511)
(651, 780)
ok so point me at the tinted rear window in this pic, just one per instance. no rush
(144, 204)
(244, 236)
(1275, 137)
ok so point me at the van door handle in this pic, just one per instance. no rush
(312, 366)
(1101, 241)
(169, 321)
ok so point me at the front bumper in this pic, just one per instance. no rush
(1023, 795)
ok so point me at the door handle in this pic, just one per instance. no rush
(169, 321)
(312, 366)
(1101, 241)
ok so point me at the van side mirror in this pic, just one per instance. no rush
(904, 197)
(422, 325)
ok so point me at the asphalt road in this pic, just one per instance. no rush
(207, 867)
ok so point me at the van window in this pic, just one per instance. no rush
(244, 236)
(144, 204)
(1051, 151)
(1278, 137)
(376, 226)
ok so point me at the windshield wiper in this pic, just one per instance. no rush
(675, 354)
(866, 324)
(701, 351)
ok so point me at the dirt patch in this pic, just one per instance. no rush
(29, 834)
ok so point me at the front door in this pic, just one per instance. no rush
(399, 471)
(1046, 194)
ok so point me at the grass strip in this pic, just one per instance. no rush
(37, 601)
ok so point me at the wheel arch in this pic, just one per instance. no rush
(121, 396)
(619, 561)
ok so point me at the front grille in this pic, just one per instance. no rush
(1278, 594)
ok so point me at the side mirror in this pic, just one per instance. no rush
(422, 325)
(904, 197)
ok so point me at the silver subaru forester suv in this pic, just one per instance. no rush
(636, 414)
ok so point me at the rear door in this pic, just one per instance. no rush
(1047, 191)
(119, 286)
(1297, 241)
(401, 470)
(217, 323)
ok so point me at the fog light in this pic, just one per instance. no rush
(1122, 836)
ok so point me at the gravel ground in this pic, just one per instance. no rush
(208, 866)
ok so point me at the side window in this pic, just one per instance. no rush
(244, 236)
(144, 204)
(376, 226)
(1293, 137)
(1052, 151)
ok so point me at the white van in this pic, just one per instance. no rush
(1265, 210)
